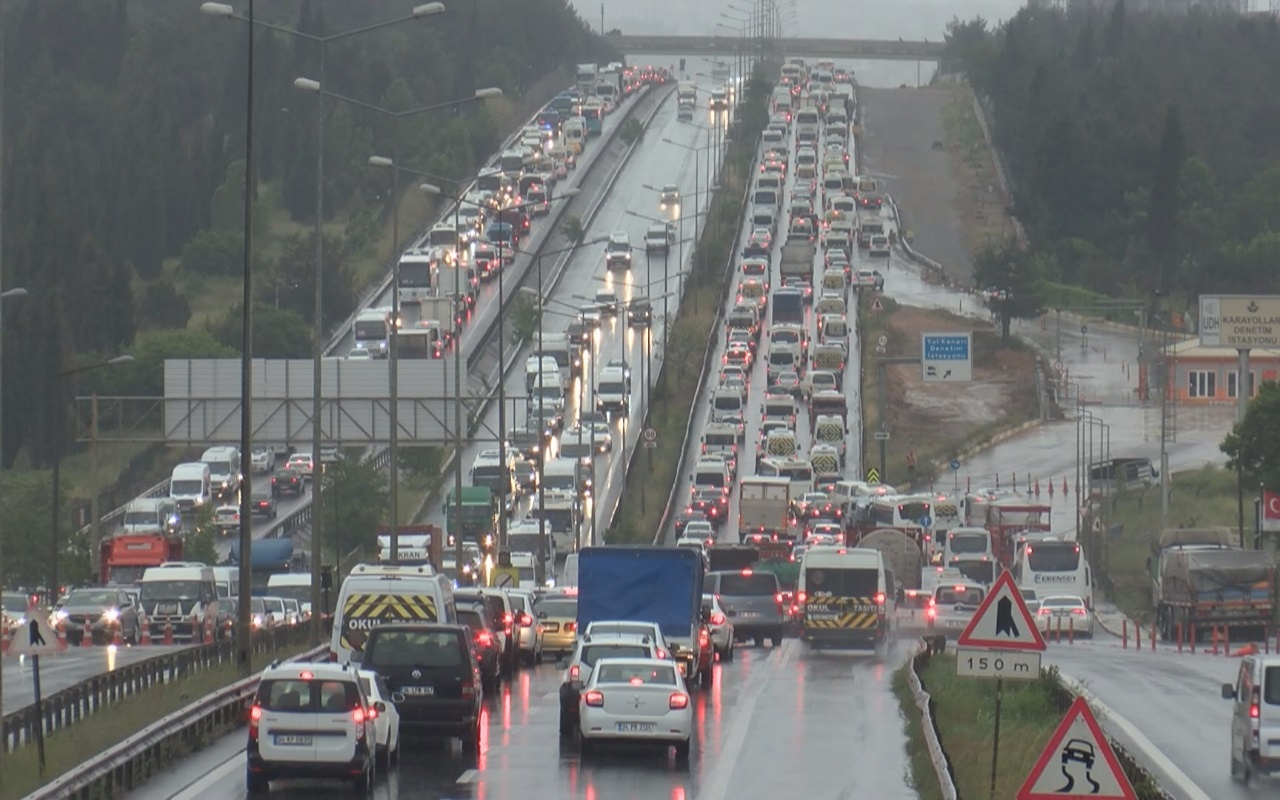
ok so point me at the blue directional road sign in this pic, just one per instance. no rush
(925, 521)
(955, 465)
(946, 357)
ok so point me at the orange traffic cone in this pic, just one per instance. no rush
(86, 639)
(1250, 649)
(144, 632)
(118, 639)
(168, 633)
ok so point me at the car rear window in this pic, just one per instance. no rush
(594, 652)
(471, 619)
(747, 585)
(968, 597)
(637, 675)
(560, 609)
(622, 628)
(292, 694)
(842, 582)
(413, 649)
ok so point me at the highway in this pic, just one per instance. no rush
(778, 723)
(68, 668)
(654, 162)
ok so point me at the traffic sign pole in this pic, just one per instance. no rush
(995, 742)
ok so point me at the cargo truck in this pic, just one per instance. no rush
(126, 556)
(662, 585)
(797, 258)
(267, 557)
(478, 519)
(587, 76)
(443, 314)
(763, 506)
(1201, 582)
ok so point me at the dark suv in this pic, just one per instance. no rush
(488, 651)
(434, 676)
(752, 601)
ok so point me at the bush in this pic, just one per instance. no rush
(213, 253)
(161, 306)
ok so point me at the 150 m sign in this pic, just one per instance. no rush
(998, 664)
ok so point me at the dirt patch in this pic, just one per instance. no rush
(933, 421)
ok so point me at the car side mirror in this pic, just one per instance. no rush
(1228, 692)
(380, 706)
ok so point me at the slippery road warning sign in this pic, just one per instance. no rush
(1077, 763)
(1002, 621)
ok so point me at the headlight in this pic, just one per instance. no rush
(257, 620)
(60, 615)
(111, 615)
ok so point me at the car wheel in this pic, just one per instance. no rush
(471, 742)
(776, 639)
(256, 784)
(682, 750)
(363, 784)
(728, 653)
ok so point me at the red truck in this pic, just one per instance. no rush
(126, 556)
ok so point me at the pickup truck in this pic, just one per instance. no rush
(868, 279)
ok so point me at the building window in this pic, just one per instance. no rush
(1232, 381)
(1202, 383)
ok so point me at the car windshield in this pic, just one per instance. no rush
(1062, 602)
(92, 599)
(413, 649)
(559, 609)
(186, 487)
(170, 590)
(636, 674)
(594, 652)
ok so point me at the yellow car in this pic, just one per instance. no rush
(558, 615)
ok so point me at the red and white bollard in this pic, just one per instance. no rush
(86, 638)
(168, 634)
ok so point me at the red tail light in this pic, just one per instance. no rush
(717, 618)
(483, 638)
(358, 716)
(704, 638)
(594, 698)
(1079, 612)
(778, 598)
(373, 713)
(525, 620)
(574, 671)
(678, 700)
(255, 716)
(570, 627)
(879, 598)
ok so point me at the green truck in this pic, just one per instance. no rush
(479, 518)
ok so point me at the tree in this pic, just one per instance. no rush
(292, 276)
(1010, 279)
(201, 543)
(424, 461)
(213, 253)
(525, 313)
(355, 502)
(1162, 222)
(161, 306)
(1254, 443)
(277, 332)
(573, 230)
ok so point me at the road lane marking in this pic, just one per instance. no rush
(1157, 759)
(469, 776)
(717, 784)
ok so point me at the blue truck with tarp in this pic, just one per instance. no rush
(268, 557)
(662, 585)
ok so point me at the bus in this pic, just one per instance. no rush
(593, 113)
(1053, 567)
(906, 513)
(413, 277)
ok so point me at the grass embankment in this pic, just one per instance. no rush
(981, 205)
(68, 747)
(1200, 498)
(933, 432)
(964, 709)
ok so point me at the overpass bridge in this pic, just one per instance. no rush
(869, 49)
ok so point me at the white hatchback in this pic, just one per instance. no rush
(311, 721)
(635, 700)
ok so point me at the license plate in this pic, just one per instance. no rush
(748, 614)
(637, 727)
(418, 690)
(957, 623)
(292, 740)
(167, 608)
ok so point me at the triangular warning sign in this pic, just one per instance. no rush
(1002, 621)
(876, 305)
(1078, 762)
(1097, 525)
(35, 637)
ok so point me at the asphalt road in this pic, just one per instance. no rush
(779, 722)
(57, 672)
(628, 208)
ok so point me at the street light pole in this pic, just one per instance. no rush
(393, 355)
(244, 632)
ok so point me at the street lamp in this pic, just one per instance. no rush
(310, 85)
(568, 194)
(57, 455)
(317, 334)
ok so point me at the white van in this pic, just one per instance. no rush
(224, 470)
(180, 596)
(292, 586)
(569, 572)
(227, 581)
(375, 594)
(190, 486)
(712, 473)
(726, 405)
(534, 366)
(548, 389)
(1255, 717)
(846, 596)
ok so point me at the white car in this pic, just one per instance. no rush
(302, 463)
(589, 649)
(262, 459)
(226, 518)
(953, 606)
(718, 623)
(531, 632)
(311, 721)
(670, 194)
(700, 530)
(386, 718)
(1068, 613)
(635, 700)
(606, 302)
(659, 237)
(275, 613)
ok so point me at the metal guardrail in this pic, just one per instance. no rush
(937, 757)
(70, 705)
(707, 357)
(132, 762)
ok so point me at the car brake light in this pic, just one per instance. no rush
(704, 637)
(801, 597)
(1043, 612)
(255, 716)
(959, 587)
(306, 676)
(358, 715)
(373, 713)
(594, 699)
(570, 627)
(1079, 612)
(574, 671)
(483, 638)
(678, 700)
(747, 571)
(778, 598)
(1254, 708)
(717, 618)
(525, 620)
(879, 598)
